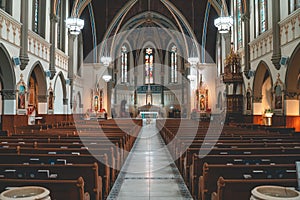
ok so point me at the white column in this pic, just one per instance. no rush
(9, 102)
(43, 108)
(9, 107)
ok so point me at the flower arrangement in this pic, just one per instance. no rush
(268, 110)
(30, 110)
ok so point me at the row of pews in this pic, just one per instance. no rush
(77, 161)
(228, 162)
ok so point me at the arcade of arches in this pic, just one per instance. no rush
(160, 61)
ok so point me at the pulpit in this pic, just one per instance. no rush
(268, 119)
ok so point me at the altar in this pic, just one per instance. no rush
(149, 114)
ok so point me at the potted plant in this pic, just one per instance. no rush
(268, 112)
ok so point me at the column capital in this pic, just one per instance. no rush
(8, 94)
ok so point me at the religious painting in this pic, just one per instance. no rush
(96, 103)
(278, 97)
(50, 101)
(202, 103)
(32, 92)
(21, 93)
(50, 98)
(21, 97)
(202, 97)
(249, 98)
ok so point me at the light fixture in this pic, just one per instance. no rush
(193, 61)
(223, 23)
(106, 78)
(192, 77)
(106, 60)
(74, 25)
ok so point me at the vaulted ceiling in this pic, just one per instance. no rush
(196, 16)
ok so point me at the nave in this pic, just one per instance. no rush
(149, 171)
(168, 159)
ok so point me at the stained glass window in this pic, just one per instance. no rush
(149, 66)
(36, 10)
(61, 25)
(174, 65)
(6, 5)
(263, 26)
(124, 65)
(239, 23)
(293, 5)
(39, 17)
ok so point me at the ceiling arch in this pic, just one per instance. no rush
(177, 11)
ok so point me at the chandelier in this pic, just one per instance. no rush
(224, 23)
(193, 61)
(74, 25)
(191, 77)
(106, 77)
(106, 60)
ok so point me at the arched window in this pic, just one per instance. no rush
(174, 65)
(124, 65)
(293, 5)
(39, 11)
(149, 66)
(239, 23)
(6, 5)
(61, 29)
(263, 22)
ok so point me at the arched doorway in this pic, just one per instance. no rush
(7, 84)
(293, 75)
(77, 105)
(60, 101)
(262, 89)
(37, 89)
(292, 81)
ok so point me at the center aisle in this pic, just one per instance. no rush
(149, 171)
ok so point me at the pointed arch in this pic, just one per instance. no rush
(37, 72)
(63, 82)
(262, 72)
(7, 72)
(292, 77)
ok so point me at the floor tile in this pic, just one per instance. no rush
(149, 171)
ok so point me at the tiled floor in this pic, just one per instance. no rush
(149, 171)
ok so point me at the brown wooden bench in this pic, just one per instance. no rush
(89, 172)
(59, 189)
(211, 172)
(240, 189)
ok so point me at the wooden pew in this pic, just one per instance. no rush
(59, 189)
(234, 189)
(267, 159)
(89, 172)
(211, 172)
(103, 167)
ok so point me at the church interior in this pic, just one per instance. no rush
(149, 99)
